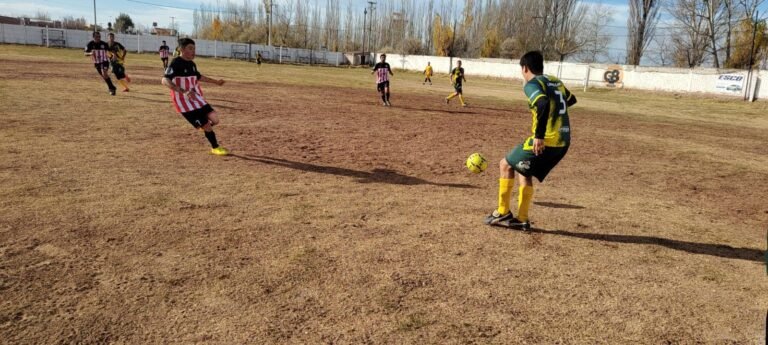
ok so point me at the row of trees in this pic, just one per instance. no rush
(723, 33)
(684, 33)
(484, 28)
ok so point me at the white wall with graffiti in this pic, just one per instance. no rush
(727, 82)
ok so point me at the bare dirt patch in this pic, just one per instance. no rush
(340, 221)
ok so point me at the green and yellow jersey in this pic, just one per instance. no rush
(117, 53)
(549, 100)
(457, 75)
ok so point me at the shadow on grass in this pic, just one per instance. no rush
(375, 176)
(557, 205)
(718, 250)
(135, 95)
(435, 110)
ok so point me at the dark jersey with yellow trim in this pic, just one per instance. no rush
(116, 52)
(457, 75)
(558, 127)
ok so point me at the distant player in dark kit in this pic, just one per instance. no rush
(458, 79)
(98, 51)
(383, 71)
(258, 59)
(164, 52)
(549, 101)
(117, 55)
(182, 77)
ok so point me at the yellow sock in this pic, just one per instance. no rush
(451, 96)
(123, 83)
(505, 191)
(461, 99)
(524, 202)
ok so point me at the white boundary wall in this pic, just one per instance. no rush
(701, 80)
(33, 35)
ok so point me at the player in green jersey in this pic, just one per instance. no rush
(548, 100)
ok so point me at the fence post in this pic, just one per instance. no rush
(138, 43)
(690, 80)
(586, 78)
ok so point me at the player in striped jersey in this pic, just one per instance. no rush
(117, 55)
(549, 101)
(182, 78)
(164, 52)
(97, 50)
(383, 71)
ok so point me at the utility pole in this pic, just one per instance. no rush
(365, 27)
(94, 15)
(269, 23)
(370, 27)
(751, 60)
(173, 27)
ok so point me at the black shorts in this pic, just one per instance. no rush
(380, 86)
(198, 117)
(457, 87)
(528, 164)
(101, 66)
(118, 70)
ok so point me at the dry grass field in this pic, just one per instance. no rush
(339, 221)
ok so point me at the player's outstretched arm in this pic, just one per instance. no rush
(211, 80)
(570, 99)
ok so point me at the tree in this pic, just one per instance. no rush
(643, 17)
(491, 44)
(442, 36)
(70, 22)
(689, 39)
(123, 23)
(714, 15)
(743, 44)
(596, 40)
(509, 48)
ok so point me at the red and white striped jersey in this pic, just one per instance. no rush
(184, 74)
(164, 51)
(98, 51)
(381, 70)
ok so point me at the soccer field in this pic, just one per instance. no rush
(339, 221)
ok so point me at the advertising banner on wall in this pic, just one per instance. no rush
(730, 83)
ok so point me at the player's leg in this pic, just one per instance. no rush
(122, 79)
(105, 75)
(386, 91)
(506, 183)
(213, 120)
(380, 88)
(524, 197)
(461, 95)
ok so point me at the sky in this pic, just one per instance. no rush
(146, 12)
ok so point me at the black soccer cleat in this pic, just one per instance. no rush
(499, 219)
(112, 92)
(517, 224)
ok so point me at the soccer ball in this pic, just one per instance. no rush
(476, 163)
